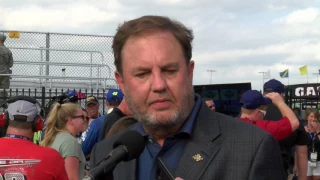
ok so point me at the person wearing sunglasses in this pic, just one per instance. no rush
(64, 122)
(253, 110)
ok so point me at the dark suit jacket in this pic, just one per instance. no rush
(231, 149)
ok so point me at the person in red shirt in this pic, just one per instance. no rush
(20, 158)
(253, 109)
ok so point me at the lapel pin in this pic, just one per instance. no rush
(197, 158)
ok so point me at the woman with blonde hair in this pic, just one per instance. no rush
(313, 130)
(64, 122)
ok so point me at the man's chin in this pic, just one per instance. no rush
(159, 125)
(162, 121)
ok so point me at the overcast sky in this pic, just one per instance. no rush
(236, 38)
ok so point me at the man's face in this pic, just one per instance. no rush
(211, 105)
(93, 110)
(156, 80)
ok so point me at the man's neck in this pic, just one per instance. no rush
(123, 108)
(21, 132)
(247, 116)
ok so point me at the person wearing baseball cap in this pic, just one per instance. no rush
(92, 107)
(274, 85)
(113, 99)
(114, 96)
(35, 162)
(253, 109)
(298, 139)
(92, 135)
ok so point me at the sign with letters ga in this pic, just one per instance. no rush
(306, 91)
(14, 34)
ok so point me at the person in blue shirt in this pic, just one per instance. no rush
(93, 134)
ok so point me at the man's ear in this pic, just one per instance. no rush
(120, 80)
(190, 70)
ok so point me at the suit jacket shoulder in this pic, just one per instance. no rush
(230, 149)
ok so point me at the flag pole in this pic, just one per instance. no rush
(288, 79)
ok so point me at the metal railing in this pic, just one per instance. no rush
(92, 55)
(43, 77)
(47, 63)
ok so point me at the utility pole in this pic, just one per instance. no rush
(263, 73)
(211, 71)
(317, 74)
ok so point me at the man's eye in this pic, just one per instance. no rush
(141, 74)
(170, 71)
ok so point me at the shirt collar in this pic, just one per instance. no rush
(187, 126)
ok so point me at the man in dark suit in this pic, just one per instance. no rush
(155, 71)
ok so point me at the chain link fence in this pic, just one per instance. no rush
(66, 55)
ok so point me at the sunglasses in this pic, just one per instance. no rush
(262, 111)
(81, 116)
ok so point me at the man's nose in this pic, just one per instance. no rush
(159, 83)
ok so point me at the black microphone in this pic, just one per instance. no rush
(127, 147)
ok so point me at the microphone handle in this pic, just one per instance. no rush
(107, 165)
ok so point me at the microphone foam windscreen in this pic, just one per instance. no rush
(133, 141)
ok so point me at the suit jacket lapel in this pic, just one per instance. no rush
(202, 148)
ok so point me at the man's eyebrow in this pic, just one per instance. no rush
(170, 65)
(139, 69)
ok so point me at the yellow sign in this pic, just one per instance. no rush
(14, 34)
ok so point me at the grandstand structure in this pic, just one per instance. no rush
(55, 62)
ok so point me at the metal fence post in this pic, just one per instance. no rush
(47, 53)
(43, 96)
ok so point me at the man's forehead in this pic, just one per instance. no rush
(147, 39)
(148, 53)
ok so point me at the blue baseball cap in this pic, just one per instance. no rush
(114, 95)
(252, 99)
(273, 86)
